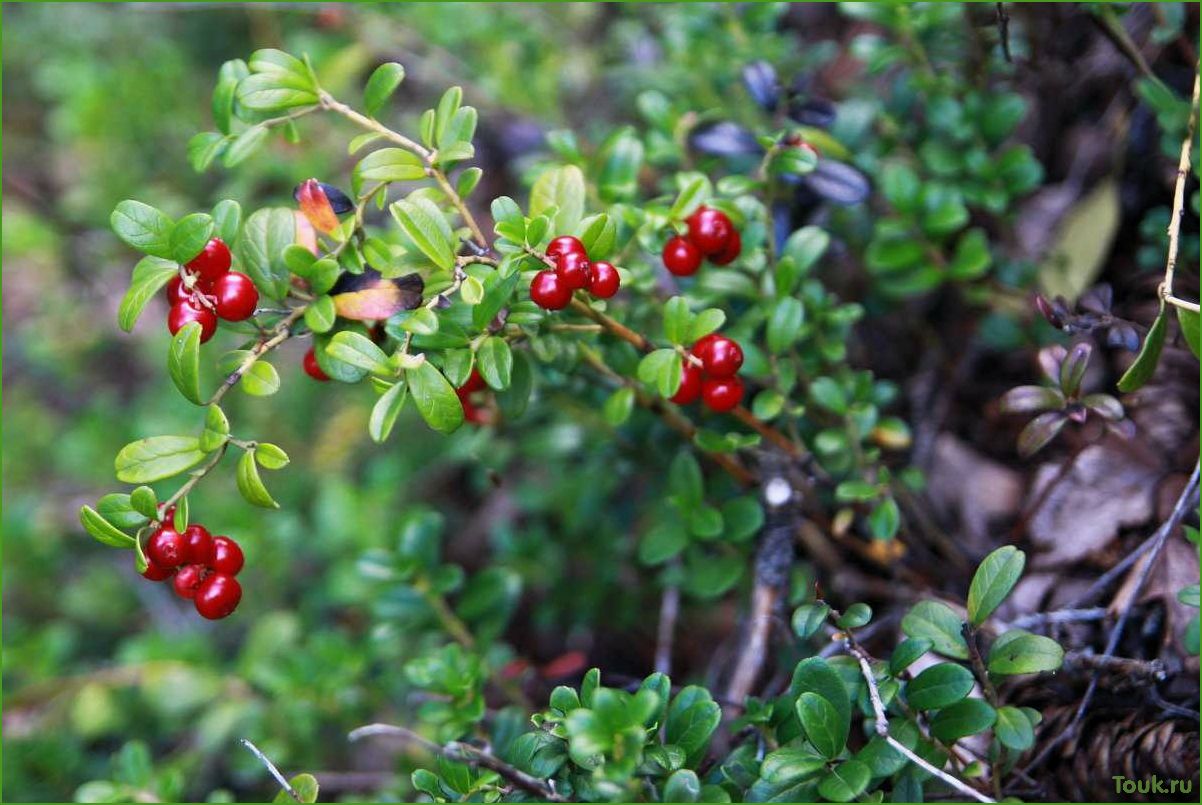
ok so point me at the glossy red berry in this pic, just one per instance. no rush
(185, 312)
(473, 383)
(311, 367)
(176, 292)
(549, 291)
(734, 245)
(603, 279)
(681, 257)
(218, 596)
(213, 261)
(572, 269)
(188, 580)
(198, 544)
(721, 356)
(167, 548)
(156, 572)
(237, 296)
(722, 393)
(566, 244)
(690, 385)
(709, 229)
(226, 556)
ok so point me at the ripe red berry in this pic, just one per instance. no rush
(549, 291)
(722, 393)
(721, 356)
(573, 269)
(156, 572)
(473, 383)
(188, 580)
(213, 261)
(226, 556)
(690, 385)
(566, 244)
(237, 296)
(218, 596)
(709, 229)
(176, 292)
(472, 412)
(185, 312)
(167, 548)
(603, 279)
(311, 368)
(734, 245)
(681, 257)
(198, 544)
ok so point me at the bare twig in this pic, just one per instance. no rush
(1145, 670)
(465, 753)
(1003, 31)
(280, 333)
(1183, 168)
(279, 778)
(669, 611)
(1056, 616)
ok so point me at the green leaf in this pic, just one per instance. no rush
(938, 686)
(599, 234)
(784, 325)
(180, 521)
(967, 717)
(744, 517)
(619, 161)
(383, 82)
(448, 107)
(385, 412)
(1014, 729)
(692, 717)
(320, 314)
(856, 492)
(203, 148)
(143, 227)
(227, 219)
(1188, 321)
(661, 369)
(808, 619)
(103, 530)
(495, 362)
(305, 786)
(682, 785)
(662, 541)
(275, 92)
(271, 456)
(884, 519)
(706, 322)
(539, 753)
(391, 165)
(217, 429)
(822, 724)
(685, 481)
(358, 350)
(420, 220)
(561, 188)
(265, 236)
(827, 393)
(183, 362)
(993, 581)
(678, 320)
(261, 379)
(855, 616)
(791, 763)
(250, 485)
(144, 502)
(189, 236)
(435, 398)
(271, 60)
(907, 652)
(148, 460)
(845, 782)
(695, 189)
(467, 181)
(1020, 652)
(117, 509)
(1141, 371)
(971, 259)
(150, 275)
(243, 147)
(228, 76)
(939, 624)
(815, 675)
(496, 296)
(618, 407)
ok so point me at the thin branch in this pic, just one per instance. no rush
(1003, 31)
(1113, 28)
(669, 611)
(280, 333)
(1183, 168)
(279, 778)
(464, 753)
(1056, 616)
(978, 663)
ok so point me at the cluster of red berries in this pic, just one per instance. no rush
(711, 235)
(472, 412)
(211, 292)
(201, 566)
(715, 380)
(552, 290)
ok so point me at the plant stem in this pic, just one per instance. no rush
(446, 616)
(191, 483)
(1183, 168)
(280, 333)
(271, 767)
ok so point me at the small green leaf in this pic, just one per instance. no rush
(227, 219)
(189, 236)
(144, 502)
(145, 228)
(425, 225)
(678, 320)
(815, 676)
(270, 456)
(682, 785)
(384, 413)
(599, 234)
(116, 508)
(706, 322)
(250, 485)
(183, 362)
(305, 786)
(148, 460)
(661, 369)
(103, 530)
(964, 718)
(1020, 652)
(244, 146)
(791, 763)
(495, 362)
(993, 581)
(845, 782)
(855, 491)
(358, 350)
(467, 181)
(383, 82)
(261, 379)
(390, 165)
(907, 652)
(497, 295)
(695, 189)
(561, 188)
(1014, 729)
(938, 686)
(662, 541)
(618, 407)
(808, 619)
(261, 246)
(827, 393)
(320, 314)
(150, 275)
(884, 519)
(180, 521)
(275, 92)
(1141, 371)
(784, 325)
(1188, 320)
(217, 429)
(434, 397)
(855, 616)
(937, 623)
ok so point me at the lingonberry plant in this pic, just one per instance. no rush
(664, 292)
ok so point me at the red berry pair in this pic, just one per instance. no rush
(212, 292)
(202, 567)
(711, 234)
(312, 369)
(552, 290)
(715, 381)
(472, 412)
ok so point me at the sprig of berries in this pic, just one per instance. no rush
(711, 235)
(207, 290)
(201, 566)
(715, 380)
(552, 290)
(473, 385)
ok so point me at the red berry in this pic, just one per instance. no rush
(188, 580)
(473, 383)
(721, 356)
(156, 572)
(198, 544)
(185, 312)
(566, 244)
(218, 596)
(167, 548)
(690, 385)
(722, 393)
(549, 291)
(573, 269)
(226, 557)
(734, 245)
(211, 263)
(709, 229)
(603, 279)
(237, 296)
(311, 368)
(472, 412)
(176, 292)
(681, 257)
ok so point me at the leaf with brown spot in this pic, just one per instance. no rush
(370, 297)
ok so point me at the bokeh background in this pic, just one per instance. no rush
(111, 684)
